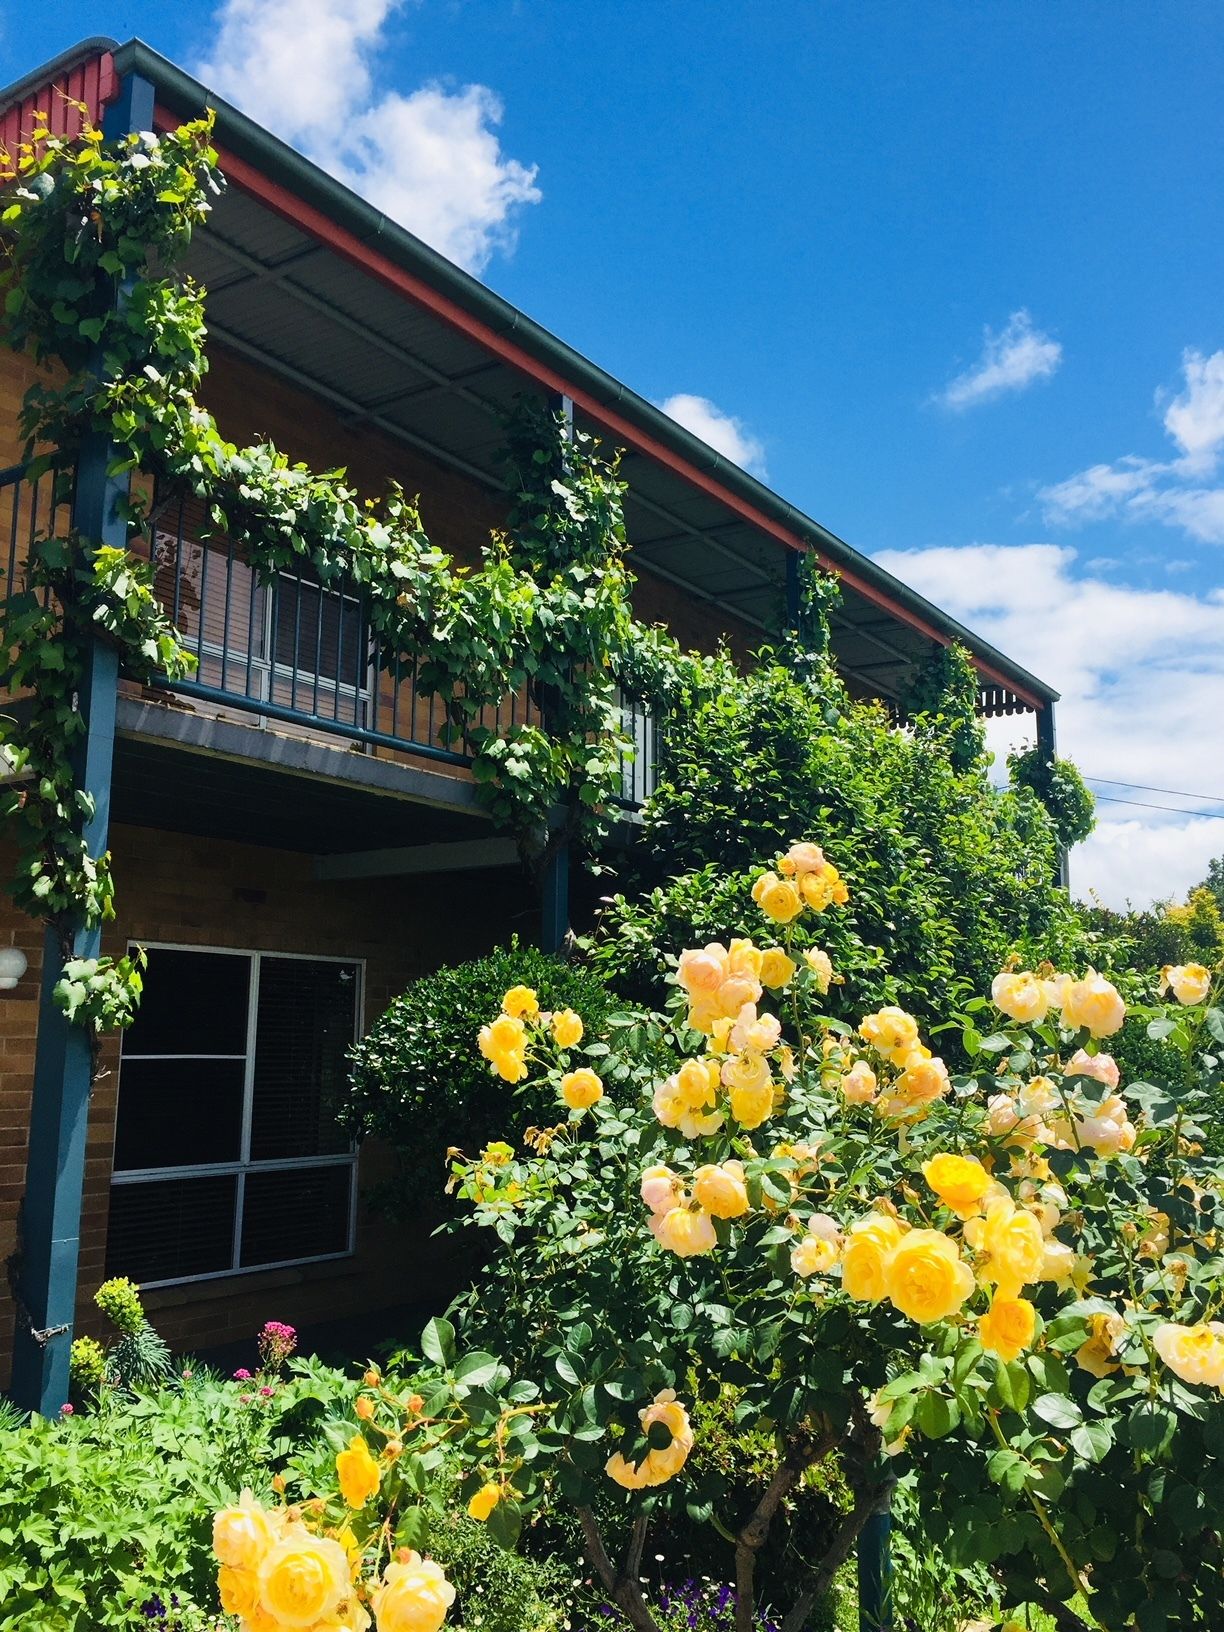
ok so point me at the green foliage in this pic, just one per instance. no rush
(947, 874)
(418, 1084)
(944, 695)
(94, 232)
(101, 1512)
(499, 1591)
(1061, 789)
(119, 1300)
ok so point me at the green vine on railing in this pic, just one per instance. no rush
(93, 233)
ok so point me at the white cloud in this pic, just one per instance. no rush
(430, 158)
(725, 434)
(1141, 674)
(1183, 491)
(1013, 358)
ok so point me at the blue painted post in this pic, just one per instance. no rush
(875, 1571)
(63, 1067)
(554, 886)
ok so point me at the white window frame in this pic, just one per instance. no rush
(243, 1165)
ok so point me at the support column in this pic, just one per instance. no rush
(875, 1571)
(554, 885)
(1047, 744)
(50, 1224)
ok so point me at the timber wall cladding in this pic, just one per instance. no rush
(205, 892)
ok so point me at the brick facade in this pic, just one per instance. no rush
(203, 891)
(206, 892)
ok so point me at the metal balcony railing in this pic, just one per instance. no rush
(293, 653)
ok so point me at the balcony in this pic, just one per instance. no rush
(290, 655)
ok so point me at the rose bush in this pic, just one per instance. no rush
(1008, 1274)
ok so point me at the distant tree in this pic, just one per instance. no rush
(1215, 880)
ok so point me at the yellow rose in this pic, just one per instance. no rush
(357, 1472)
(1012, 1243)
(721, 1190)
(777, 898)
(697, 1083)
(777, 970)
(1094, 1004)
(509, 1066)
(683, 1231)
(663, 1462)
(414, 1596)
(818, 889)
(521, 1000)
(802, 858)
(960, 1182)
(821, 965)
(660, 1188)
(1193, 1353)
(870, 1244)
(1189, 982)
(502, 1041)
(1096, 1354)
(303, 1579)
(632, 1476)
(747, 1070)
(859, 1084)
(1008, 1327)
(242, 1534)
(484, 1501)
(891, 1031)
(753, 1103)
(581, 1088)
(819, 1248)
(923, 1080)
(239, 1590)
(566, 1028)
(927, 1279)
(1021, 996)
(701, 971)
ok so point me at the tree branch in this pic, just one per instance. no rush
(622, 1586)
(801, 1452)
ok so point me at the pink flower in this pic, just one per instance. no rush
(1103, 1068)
(266, 1392)
(242, 1375)
(67, 1410)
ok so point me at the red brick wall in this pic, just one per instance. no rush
(207, 892)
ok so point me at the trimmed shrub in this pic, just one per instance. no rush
(418, 1082)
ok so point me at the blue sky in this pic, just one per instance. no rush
(817, 217)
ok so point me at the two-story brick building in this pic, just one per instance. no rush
(292, 841)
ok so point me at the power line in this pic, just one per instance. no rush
(1146, 787)
(1174, 810)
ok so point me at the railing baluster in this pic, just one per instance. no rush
(339, 648)
(318, 658)
(203, 604)
(297, 640)
(225, 623)
(254, 591)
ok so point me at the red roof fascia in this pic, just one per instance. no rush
(295, 210)
(92, 82)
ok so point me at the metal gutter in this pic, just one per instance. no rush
(266, 165)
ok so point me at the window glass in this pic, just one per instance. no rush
(200, 1088)
(179, 1113)
(300, 1212)
(320, 632)
(193, 1003)
(304, 1029)
(171, 1228)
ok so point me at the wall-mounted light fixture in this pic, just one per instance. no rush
(13, 964)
